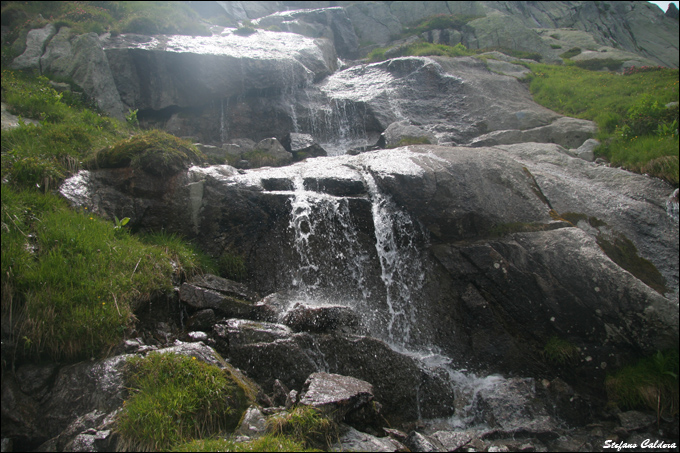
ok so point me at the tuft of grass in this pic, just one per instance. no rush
(651, 383)
(232, 266)
(560, 351)
(409, 140)
(187, 260)
(637, 130)
(419, 49)
(571, 53)
(304, 424)
(154, 151)
(174, 399)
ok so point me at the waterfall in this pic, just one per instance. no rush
(330, 259)
(402, 267)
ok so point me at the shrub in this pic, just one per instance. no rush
(650, 383)
(175, 399)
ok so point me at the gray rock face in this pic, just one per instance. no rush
(36, 40)
(489, 214)
(335, 395)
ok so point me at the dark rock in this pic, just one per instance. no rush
(635, 420)
(418, 442)
(281, 394)
(321, 319)
(202, 298)
(302, 146)
(225, 286)
(354, 440)
(202, 320)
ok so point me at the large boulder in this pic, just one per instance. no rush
(485, 252)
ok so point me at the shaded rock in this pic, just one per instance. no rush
(418, 442)
(635, 420)
(568, 132)
(269, 152)
(373, 22)
(452, 440)
(202, 320)
(281, 394)
(509, 69)
(320, 319)
(253, 423)
(302, 146)
(225, 286)
(335, 395)
(354, 440)
(202, 298)
(292, 360)
(586, 151)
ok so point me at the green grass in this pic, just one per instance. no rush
(268, 442)
(174, 399)
(71, 281)
(420, 49)
(650, 383)
(44, 155)
(154, 151)
(637, 131)
(304, 424)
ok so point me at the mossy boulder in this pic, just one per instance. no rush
(155, 152)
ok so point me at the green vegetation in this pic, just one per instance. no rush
(71, 281)
(560, 351)
(268, 442)
(419, 49)
(305, 424)
(232, 266)
(175, 399)
(651, 383)
(409, 140)
(142, 17)
(637, 130)
(153, 151)
(44, 155)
